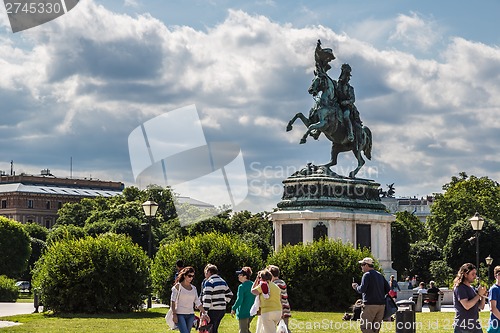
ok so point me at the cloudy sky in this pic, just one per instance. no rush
(426, 76)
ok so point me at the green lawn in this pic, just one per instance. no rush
(153, 321)
(25, 298)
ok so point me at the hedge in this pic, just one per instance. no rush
(319, 275)
(8, 290)
(93, 275)
(228, 252)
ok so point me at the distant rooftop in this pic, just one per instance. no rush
(194, 202)
(53, 183)
(47, 189)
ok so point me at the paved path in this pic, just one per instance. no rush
(12, 309)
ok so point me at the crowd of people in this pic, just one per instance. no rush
(467, 300)
(265, 298)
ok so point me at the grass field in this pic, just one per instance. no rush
(153, 321)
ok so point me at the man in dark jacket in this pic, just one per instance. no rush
(373, 288)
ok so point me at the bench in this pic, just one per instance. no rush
(434, 301)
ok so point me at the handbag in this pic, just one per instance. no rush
(281, 327)
(255, 309)
(169, 317)
(392, 293)
(390, 307)
(205, 327)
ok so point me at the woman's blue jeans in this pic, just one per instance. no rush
(185, 322)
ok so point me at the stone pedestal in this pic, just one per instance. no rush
(317, 203)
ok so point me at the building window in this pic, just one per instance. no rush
(47, 205)
(363, 236)
(29, 220)
(48, 223)
(4, 203)
(30, 203)
(291, 234)
(320, 231)
(59, 205)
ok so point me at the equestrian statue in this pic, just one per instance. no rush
(334, 113)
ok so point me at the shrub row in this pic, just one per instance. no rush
(228, 252)
(111, 274)
(319, 275)
(8, 290)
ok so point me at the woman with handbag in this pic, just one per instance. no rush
(393, 285)
(269, 296)
(184, 295)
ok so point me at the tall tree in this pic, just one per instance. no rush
(422, 253)
(463, 197)
(416, 229)
(15, 248)
(400, 248)
(461, 246)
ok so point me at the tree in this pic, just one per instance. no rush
(400, 247)
(35, 230)
(459, 250)
(65, 232)
(422, 253)
(441, 273)
(75, 213)
(463, 197)
(212, 224)
(15, 248)
(37, 248)
(416, 229)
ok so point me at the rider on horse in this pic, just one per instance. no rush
(346, 98)
(322, 57)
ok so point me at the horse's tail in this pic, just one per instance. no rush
(367, 149)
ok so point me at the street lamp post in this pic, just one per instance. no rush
(150, 207)
(477, 225)
(489, 261)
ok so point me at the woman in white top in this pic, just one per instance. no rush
(184, 295)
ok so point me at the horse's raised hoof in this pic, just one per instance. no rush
(289, 127)
(302, 141)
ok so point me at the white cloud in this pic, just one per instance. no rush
(92, 76)
(416, 32)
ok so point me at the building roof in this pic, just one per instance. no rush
(57, 190)
(194, 202)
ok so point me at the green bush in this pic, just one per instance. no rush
(98, 228)
(15, 248)
(35, 230)
(93, 275)
(61, 232)
(8, 290)
(225, 251)
(319, 275)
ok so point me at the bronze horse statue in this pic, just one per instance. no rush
(326, 117)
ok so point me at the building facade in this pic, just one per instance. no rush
(37, 199)
(421, 208)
